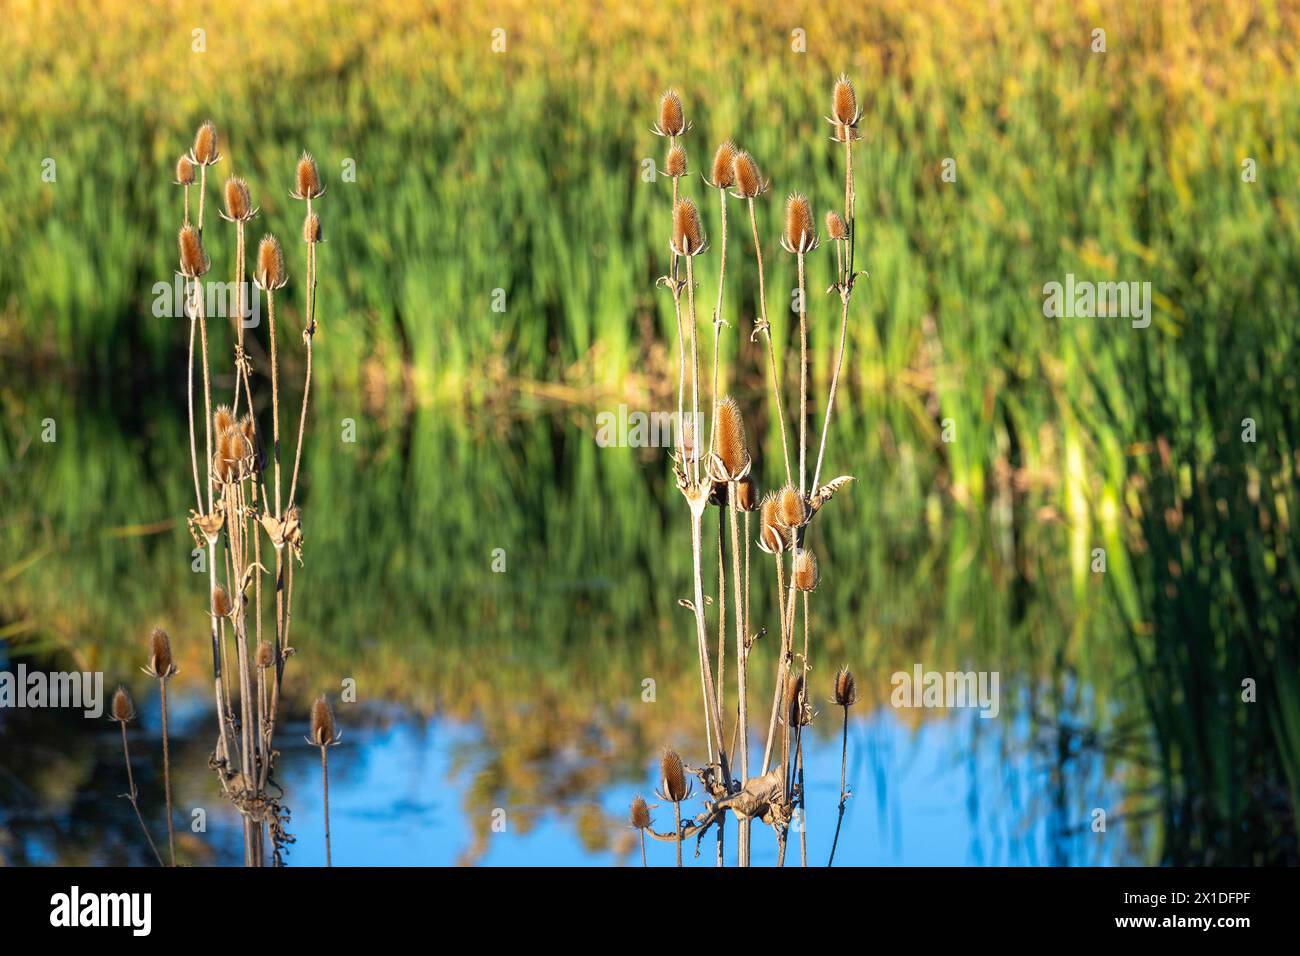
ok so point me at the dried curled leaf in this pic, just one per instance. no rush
(827, 491)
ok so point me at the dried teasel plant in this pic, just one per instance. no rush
(122, 712)
(324, 736)
(785, 515)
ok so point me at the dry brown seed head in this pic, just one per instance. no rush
(846, 688)
(747, 494)
(194, 261)
(123, 709)
(222, 418)
(672, 119)
(270, 264)
(729, 438)
(800, 233)
(844, 102)
(746, 176)
(688, 235)
(835, 227)
(805, 571)
(673, 775)
(675, 164)
(640, 814)
(239, 204)
(160, 653)
(311, 231)
(724, 173)
(205, 144)
(221, 603)
(265, 654)
(184, 171)
(770, 534)
(307, 178)
(794, 701)
(790, 508)
(322, 723)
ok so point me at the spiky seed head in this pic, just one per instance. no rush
(184, 171)
(205, 144)
(688, 235)
(846, 688)
(322, 722)
(800, 233)
(239, 202)
(160, 653)
(640, 815)
(688, 440)
(770, 535)
(672, 118)
(311, 231)
(844, 102)
(222, 418)
(307, 178)
(270, 264)
(265, 654)
(194, 261)
(744, 172)
(675, 164)
(248, 428)
(673, 775)
(123, 709)
(724, 171)
(790, 508)
(835, 227)
(221, 603)
(805, 571)
(729, 438)
(747, 494)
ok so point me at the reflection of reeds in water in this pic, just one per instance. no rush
(725, 480)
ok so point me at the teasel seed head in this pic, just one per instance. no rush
(265, 654)
(307, 179)
(123, 709)
(672, 774)
(221, 603)
(688, 234)
(846, 688)
(675, 164)
(640, 816)
(222, 418)
(800, 232)
(771, 537)
(311, 231)
(835, 227)
(791, 510)
(730, 459)
(744, 172)
(161, 664)
(672, 118)
(194, 261)
(322, 723)
(844, 104)
(794, 701)
(205, 151)
(747, 494)
(805, 572)
(185, 171)
(724, 171)
(239, 203)
(270, 272)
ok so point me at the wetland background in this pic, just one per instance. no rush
(521, 170)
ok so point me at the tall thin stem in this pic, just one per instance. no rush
(133, 795)
(167, 770)
(771, 351)
(325, 782)
(844, 760)
(803, 378)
